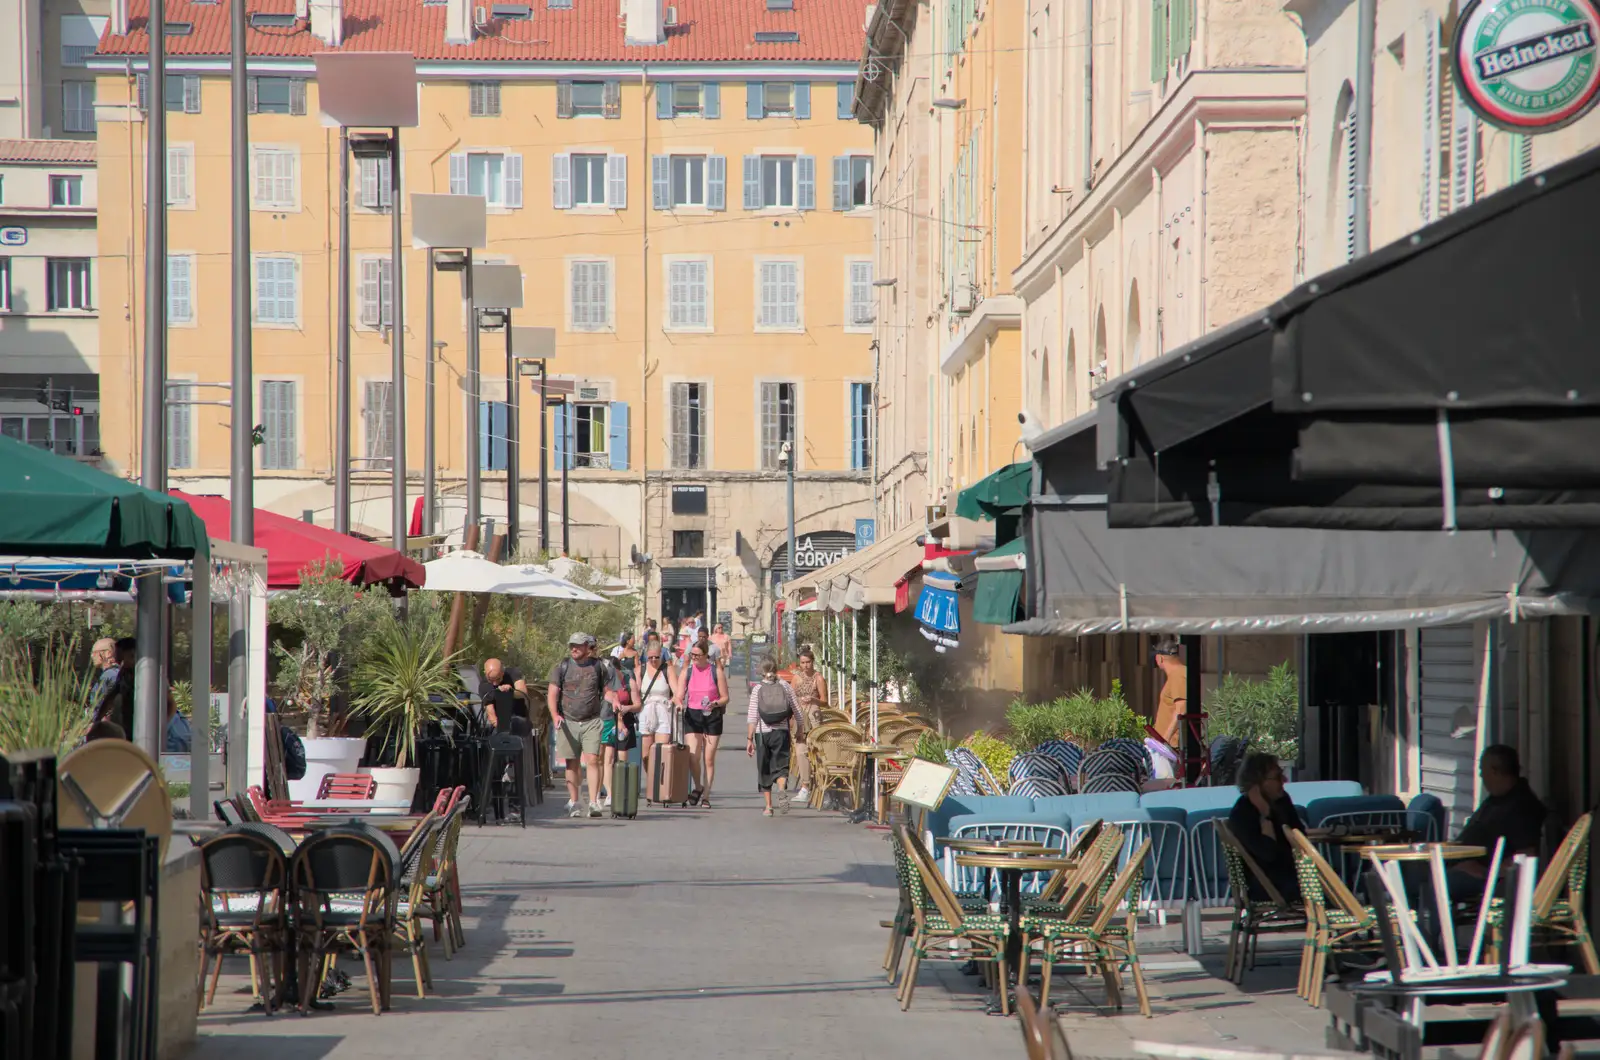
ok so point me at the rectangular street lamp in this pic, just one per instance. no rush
(496, 291)
(369, 90)
(533, 348)
(450, 228)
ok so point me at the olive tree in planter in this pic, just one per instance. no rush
(401, 669)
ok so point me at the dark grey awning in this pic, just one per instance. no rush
(1085, 578)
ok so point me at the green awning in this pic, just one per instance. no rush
(1003, 491)
(998, 600)
(56, 506)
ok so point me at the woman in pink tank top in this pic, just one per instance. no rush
(703, 695)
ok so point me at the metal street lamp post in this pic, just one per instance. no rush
(532, 349)
(241, 433)
(786, 457)
(496, 290)
(370, 90)
(451, 227)
(148, 714)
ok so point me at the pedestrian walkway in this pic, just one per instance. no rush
(701, 934)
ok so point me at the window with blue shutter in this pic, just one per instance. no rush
(492, 435)
(846, 101)
(755, 103)
(860, 426)
(841, 182)
(802, 99)
(664, 94)
(711, 99)
(617, 442)
(563, 432)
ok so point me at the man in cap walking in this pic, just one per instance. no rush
(579, 689)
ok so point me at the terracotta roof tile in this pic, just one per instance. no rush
(590, 31)
(47, 151)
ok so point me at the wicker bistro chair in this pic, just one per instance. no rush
(417, 865)
(834, 764)
(1558, 899)
(440, 898)
(244, 892)
(1100, 939)
(902, 927)
(1252, 918)
(1097, 858)
(1337, 924)
(344, 880)
(939, 923)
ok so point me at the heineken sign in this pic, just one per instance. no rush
(1528, 65)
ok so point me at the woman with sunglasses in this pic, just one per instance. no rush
(703, 694)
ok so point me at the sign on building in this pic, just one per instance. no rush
(1529, 66)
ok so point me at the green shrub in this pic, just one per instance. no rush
(932, 746)
(1091, 721)
(1031, 724)
(1266, 713)
(992, 752)
(43, 701)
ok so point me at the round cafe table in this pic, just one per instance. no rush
(1417, 851)
(993, 846)
(1011, 867)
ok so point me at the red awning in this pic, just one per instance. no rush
(293, 545)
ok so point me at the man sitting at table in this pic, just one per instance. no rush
(1510, 811)
(1260, 821)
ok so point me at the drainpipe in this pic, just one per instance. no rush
(1366, 35)
(1088, 95)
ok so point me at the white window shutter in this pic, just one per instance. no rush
(752, 182)
(805, 180)
(191, 95)
(716, 182)
(617, 181)
(369, 182)
(458, 173)
(513, 181)
(661, 182)
(841, 182)
(561, 181)
(371, 286)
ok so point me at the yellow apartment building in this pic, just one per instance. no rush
(689, 202)
(942, 86)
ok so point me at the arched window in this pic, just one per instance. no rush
(1131, 353)
(1045, 396)
(1100, 362)
(1339, 219)
(1071, 380)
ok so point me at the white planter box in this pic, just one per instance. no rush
(394, 785)
(325, 755)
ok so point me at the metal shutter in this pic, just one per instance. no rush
(1448, 681)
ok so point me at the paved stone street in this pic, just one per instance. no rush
(711, 933)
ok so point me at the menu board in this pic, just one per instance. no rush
(924, 784)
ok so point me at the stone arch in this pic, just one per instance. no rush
(1100, 357)
(1071, 381)
(1131, 352)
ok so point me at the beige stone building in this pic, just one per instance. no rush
(49, 275)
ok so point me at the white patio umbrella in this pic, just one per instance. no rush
(470, 572)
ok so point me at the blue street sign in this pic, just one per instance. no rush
(866, 533)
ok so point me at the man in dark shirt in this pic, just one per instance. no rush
(1510, 811)
(499, 691)
(1260, 820)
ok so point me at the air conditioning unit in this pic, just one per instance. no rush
(480, 16)
(964, 297)
(672, 16)
(590, 390)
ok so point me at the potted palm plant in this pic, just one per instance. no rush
(402, 682)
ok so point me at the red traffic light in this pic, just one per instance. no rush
(77, 410)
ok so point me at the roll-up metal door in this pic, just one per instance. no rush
(1448, 682)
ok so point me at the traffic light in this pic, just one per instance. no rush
(77, 410)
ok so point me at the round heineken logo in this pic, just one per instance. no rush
(1528, 65)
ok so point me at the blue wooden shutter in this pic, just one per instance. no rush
(664, 91)
(565, 437)
(711, 99)
(755, 99)
(617, 440)
(716, 182)
(846, 101)
(841, 182)
(805, 179)
(661, 182)
(492, 435)
(752, 182)
(802, 99)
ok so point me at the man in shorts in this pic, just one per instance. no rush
(579, 689)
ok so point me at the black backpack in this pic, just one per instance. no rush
(294, 754)
(772, 703)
